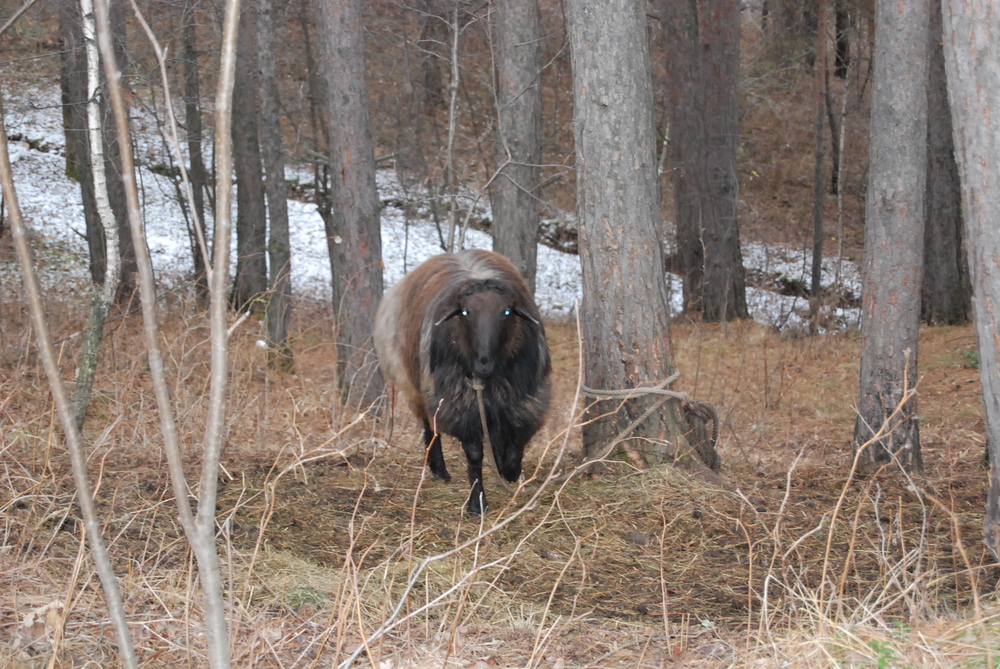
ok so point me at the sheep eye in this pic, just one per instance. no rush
(465, 312)
(506, 312)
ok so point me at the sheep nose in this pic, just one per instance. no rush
(484, 366)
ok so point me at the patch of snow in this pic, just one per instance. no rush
(52, 208)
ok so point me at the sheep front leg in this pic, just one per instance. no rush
(435, 458)
(477, 495)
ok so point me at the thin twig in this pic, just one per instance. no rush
(102, 560)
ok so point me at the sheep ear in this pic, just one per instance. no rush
(518, 312)
(454, 313)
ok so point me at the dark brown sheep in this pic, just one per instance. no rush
(459, 317)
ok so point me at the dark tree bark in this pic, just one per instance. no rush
(317, 117)
(73, 76)
(819, 163)
(113, 152)
(684, 100)
(432, 45)
(792, 30)
(972, 59)
(842, 28)
(624, 310)
(514, 194)
(946, 292)
(357, 268)
(833, 119)
(251, 219)
(279, 304)
(724, 296)
(894, 220)
(196, 171)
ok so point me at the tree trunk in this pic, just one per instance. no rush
(724, 296)
(316, 94)
(104, 295)
(972, 59)
(73, 440)
(318, 124)
(251, 219)
(433, 37)
(358, 270)
(113, 158)
(78, 164)
(514, 194)
(819, 162)
(833, 119)
(279, 304)
(842, 28)
(73, 79)
(945, 293)
(894, 238)
(196, 172)
(792, 30)
(624, 309)
(685, 106)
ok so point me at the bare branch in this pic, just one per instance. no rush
(102, 561)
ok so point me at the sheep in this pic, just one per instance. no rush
(456, 318)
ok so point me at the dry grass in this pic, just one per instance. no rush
(799, 567)
(802, 567)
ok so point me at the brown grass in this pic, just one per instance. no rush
(626, 568)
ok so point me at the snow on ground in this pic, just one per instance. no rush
(52, 209)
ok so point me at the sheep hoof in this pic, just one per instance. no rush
(477, 506)
(440, 472)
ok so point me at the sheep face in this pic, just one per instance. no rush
(479, 325)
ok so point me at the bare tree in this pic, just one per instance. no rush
(945, 291)
(279, 302)
(842, 36)
(192, 116)
(451, 178)
(685, 104)
(74, 443)
(357, 241)
(701, 42)
(251, 213)
(894, 220)
(104, 294)
(113, 152)
(972, 60)
(432, 44)
(724, 293)
(73, 77)
(625, 309)
(199, 529)
(514, 195)
(819, 164)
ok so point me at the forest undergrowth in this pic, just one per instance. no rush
(338, 548)
(336, 545)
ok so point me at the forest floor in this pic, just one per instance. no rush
(793, 562)
(788, 561)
